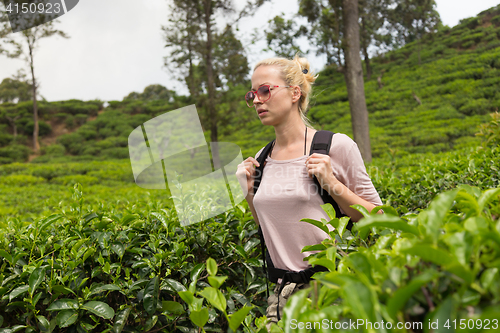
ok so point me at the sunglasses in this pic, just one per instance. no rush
(263, 94)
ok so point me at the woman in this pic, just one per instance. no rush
(280, 95)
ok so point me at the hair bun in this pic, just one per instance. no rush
(305, 71)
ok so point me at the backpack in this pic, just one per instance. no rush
(320, 144)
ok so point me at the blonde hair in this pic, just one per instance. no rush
(292, 72)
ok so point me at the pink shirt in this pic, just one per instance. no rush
(287, 194)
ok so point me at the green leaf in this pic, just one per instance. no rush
(15, 328)
(7, 256)
(36, 277)
(151, 293)
(317, 247)
(62, 289)
(17, 292)
(323, 262)
(432, 218)
(211, 267)
(172, 307)
(251, 244)
(360, 299)
(318, 224)
(43, 322)
(386, 221)
(342, 225)
(330, 211)
(175, 285)
(361, 209)
(441, 257)
(214, 297)
(186, 296)
(401, 296)
(150, 323)
(121, 320)
(161, 218)
(118, 248)
(216, 281)
(100, 309)
(445, 311)
(361, 265)
(106, 287)
(488, 196)
(241, 251)
(63, 304)
(196, 271)
(66, 318)
(199, 318)
(237, 318)
(48, 221)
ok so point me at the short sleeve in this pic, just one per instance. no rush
(349, 168)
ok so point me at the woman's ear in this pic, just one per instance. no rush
(296, 94)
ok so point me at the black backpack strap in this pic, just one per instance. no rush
(321, 144)
(256, 183)
(262, 162)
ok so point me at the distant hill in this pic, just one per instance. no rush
(433, 106)
(428, 96)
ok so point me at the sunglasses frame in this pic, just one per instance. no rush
(256, 93)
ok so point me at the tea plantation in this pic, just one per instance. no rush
(108, 256)
(84, 249)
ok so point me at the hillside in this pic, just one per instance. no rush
(457, 84)
(431, 97)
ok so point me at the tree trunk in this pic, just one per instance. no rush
(212, 113)
(367, 63)
(354, 79)
(36, 146)
(365, 51)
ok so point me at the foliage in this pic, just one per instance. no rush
(107, 269)
(118, 258)
(14, 153)
(12, 90)
(439, 267)
(151, 93)
(490, 132)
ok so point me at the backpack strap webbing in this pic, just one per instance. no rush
(321, 144)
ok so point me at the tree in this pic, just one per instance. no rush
(202, 52)
(282, 37)
(152, 92)
(354, 79)
(14, 90)
(26, 47)
(410, 20)
(373, 17)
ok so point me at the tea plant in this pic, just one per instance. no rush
(438, 269)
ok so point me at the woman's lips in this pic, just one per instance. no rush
(262, 112)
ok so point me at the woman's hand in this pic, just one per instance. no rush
(319, 165)
(245, 174)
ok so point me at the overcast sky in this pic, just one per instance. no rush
(116, 46)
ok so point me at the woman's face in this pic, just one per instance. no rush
(275, 110)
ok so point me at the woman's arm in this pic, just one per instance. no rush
(245, 175)
(352, 169)
(249, 199)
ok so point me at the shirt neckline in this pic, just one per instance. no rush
(286, 161)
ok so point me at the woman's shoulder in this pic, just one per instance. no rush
(341, 142)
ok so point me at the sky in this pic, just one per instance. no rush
(117, 46)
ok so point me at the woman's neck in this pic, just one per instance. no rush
(289, 134)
